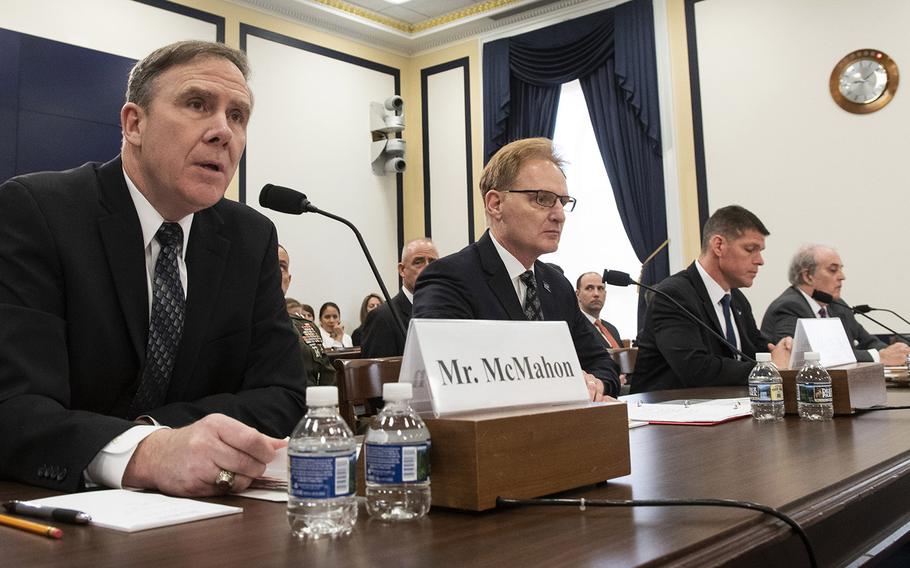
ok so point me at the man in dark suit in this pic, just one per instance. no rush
(590, 291)
(499, 277)
(144, 341)
(675, 352)
(381, 335)
(816, 267)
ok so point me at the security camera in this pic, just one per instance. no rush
(394, 103)
(395, 166)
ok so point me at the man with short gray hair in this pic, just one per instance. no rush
(818, 267)
(145, 341)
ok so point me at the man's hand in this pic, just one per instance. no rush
(780, 353)
(894, 354)
(185, 461)
(596, 389)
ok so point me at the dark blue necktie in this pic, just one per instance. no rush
(728, 320)
(165, 323)
(532, 300)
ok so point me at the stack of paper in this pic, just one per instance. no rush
(695, 412)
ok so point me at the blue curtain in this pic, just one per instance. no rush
(612, 54)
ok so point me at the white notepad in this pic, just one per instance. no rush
(132, 511)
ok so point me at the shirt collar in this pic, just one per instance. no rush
(513, 266)
(715, 291)
(591, 318)
(812, 303)
(408, 294)
(150, 220)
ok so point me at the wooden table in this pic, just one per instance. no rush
(847, 482)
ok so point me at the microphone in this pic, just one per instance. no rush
(287, 200)
(862, 310)
(617, 278)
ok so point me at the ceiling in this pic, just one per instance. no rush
(413, 26)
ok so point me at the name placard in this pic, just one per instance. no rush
(466, 365)
(824, 335)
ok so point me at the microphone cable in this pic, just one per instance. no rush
(582, 503)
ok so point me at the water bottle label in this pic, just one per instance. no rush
(766, 392)
(814, 394)
(396, 463)
(322, 477)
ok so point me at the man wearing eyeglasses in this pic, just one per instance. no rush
(499, 277)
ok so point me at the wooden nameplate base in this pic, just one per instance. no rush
(525, 453)
(855, 385)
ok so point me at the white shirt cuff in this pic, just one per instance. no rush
(108, 465)
(875, 355)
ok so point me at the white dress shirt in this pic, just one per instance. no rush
(515, 269)
(716, 293)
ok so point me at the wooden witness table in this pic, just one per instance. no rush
(847, 482)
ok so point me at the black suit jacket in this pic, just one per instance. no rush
(613, 331)
(674, 352)
(381, 335)
(780, 321)
(473, 284)
(74, 321)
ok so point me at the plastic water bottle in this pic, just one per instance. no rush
(766, 390)
(397, 459)
(322, 472)
(813, 390)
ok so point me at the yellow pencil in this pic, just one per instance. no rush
(46, 530)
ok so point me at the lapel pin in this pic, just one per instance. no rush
(546, 286)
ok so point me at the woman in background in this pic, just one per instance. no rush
(370, 303)
(333, 335)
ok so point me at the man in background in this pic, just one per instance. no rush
(500, 277)
(591, 293)
(316, 364)
(144, 340)
(381, 335)
(675, 352)
(817, 267)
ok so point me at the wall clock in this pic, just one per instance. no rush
(864, 81)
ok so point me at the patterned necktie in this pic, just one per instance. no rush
(823, 313)
(165, 323)
(532, 301)
(728, 320)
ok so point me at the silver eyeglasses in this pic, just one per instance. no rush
(546, 198)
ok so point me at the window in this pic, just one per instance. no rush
(593, 237)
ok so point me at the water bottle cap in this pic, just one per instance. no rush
(811, 356)
(322, 396)
(397, 391)
(762, 357)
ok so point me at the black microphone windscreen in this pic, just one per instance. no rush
(863, 309)
(822, 297)
(617, 278)
(283, 199)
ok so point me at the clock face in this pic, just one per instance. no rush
(863, 81)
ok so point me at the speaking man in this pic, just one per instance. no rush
(144, 340)
(500, 277)
(381, 335)
(816, 267)
(674, 351)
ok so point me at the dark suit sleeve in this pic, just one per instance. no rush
(381, 337)
(592, 354)
(43, 442)
(779, 321)
(681, 342)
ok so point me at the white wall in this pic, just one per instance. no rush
(311, 131)
(127, 29)
(447, 160)
(776, 143)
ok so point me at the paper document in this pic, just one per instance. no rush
(131, 511)
(696, 412)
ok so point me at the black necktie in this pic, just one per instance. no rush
(165, 323)
(532, 301)
(728, 320)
